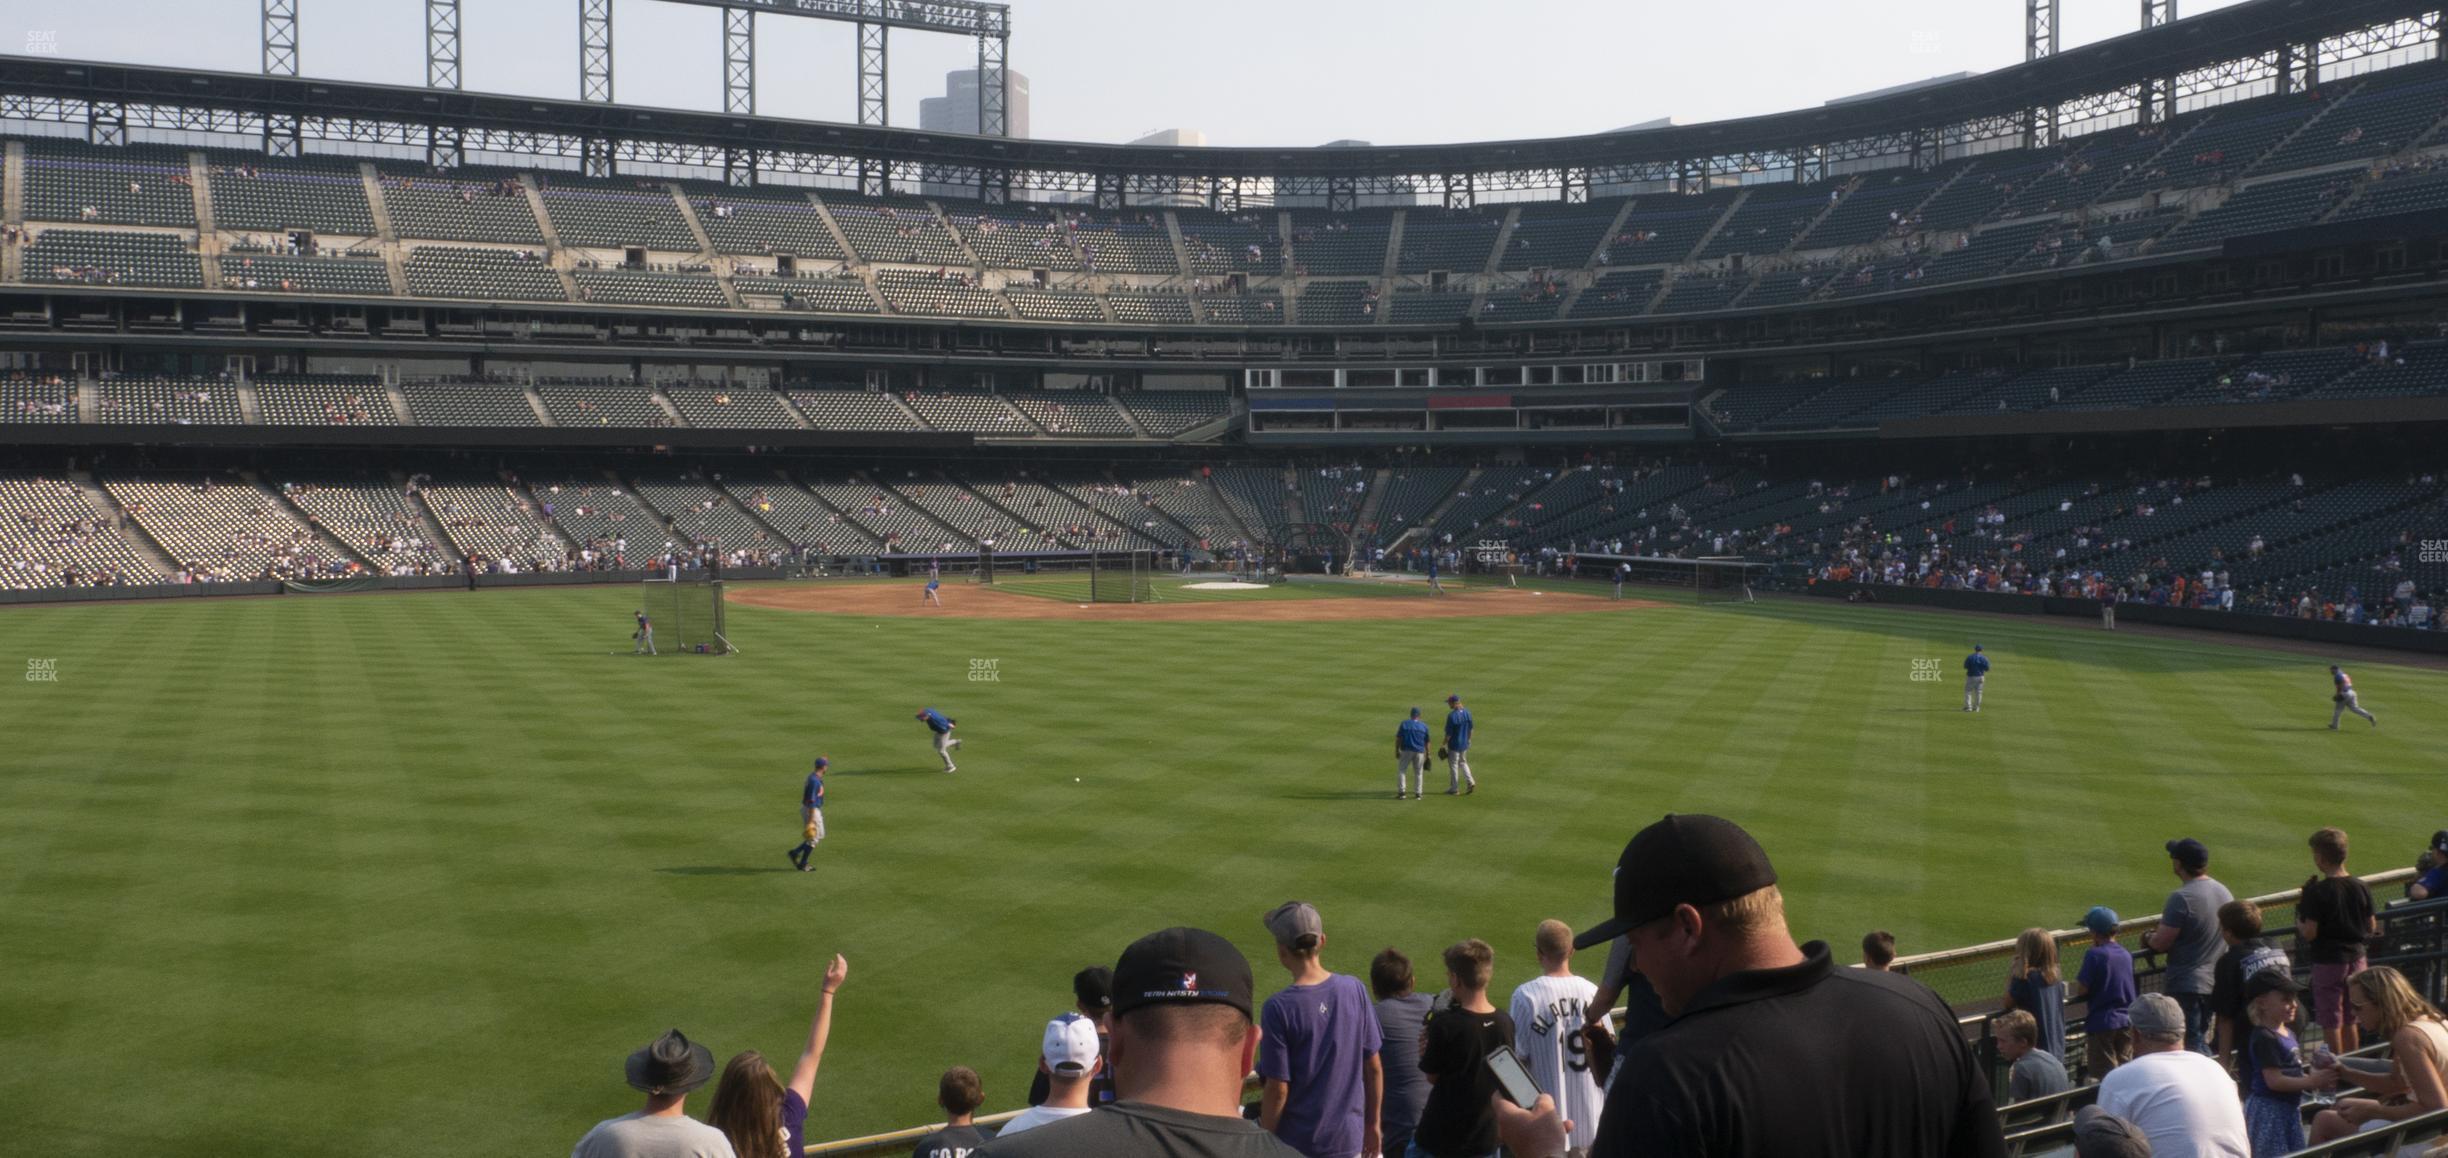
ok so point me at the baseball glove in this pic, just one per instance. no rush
(2337, 699)
(1441, 753)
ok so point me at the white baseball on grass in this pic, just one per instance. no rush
(1075, 780)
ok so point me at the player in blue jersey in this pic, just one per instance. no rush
(1411, 758)
(1458, 778)
(644, 635)
(1976, 672)
(2344, 699)
(941, 725)
(933, 588)
(1433, 585)
(811, 815)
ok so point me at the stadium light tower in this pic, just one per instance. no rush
(280, 45)
(595, 50)
(2039, 40)
(2158, 12)
(442, 43)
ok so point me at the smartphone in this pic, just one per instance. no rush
(1518, 1085)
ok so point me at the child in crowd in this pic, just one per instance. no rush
(2273, 1114)
(2106, 982)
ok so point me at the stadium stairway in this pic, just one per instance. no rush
(331, 543)
(1733, 207)
(1393, 252)
(131, 530)
(386, 235)
(426, 522)
(941, 528)
(399, 406)
(1423, 526)
(249, 411)
(1364, 521)
(1504, 236)
(841, 240)
(1844, 193)
(544, 223)
(1294, 511)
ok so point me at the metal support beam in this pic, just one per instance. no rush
(874, 79)
(445, 147)
(739, 61)
(994, 85)
(739, 167)
(105, 123)
(1342, 194)
(280, 47)
(595, 50)
(994, 185)
(1109, 191)
(283, 135)
(874, 177)
(2039, 29)
(595, 157)
(442, 43)
(1576, 186)
(2158, 12)
(2158, 100)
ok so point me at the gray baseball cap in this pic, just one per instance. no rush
(1293, 920)
(2158, 1015)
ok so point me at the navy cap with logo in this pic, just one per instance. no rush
(1181, 964)
(1688, 859)
(2191, 853)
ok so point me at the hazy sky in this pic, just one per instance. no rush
(1247, 72)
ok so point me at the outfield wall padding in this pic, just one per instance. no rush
(363, 585)
(2231, 622)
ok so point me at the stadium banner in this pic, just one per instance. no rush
(2234, 622)
(330, 586)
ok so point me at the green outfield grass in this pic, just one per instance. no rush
(410, 874)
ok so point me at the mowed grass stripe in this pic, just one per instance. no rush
(337, 843)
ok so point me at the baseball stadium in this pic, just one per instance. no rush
(442, 528)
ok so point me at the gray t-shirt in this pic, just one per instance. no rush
(641, 1135)
(1401, 1020)
(2192, 962)
(1134, 1129)
(2036, 1075)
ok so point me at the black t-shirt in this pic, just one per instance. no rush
(1133, 1129)
(2241, 960)
(950, 1142)
(1803, 1062)
(2343, 906)
(1457, 1121)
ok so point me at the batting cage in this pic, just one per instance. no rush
(687, 614)
(1122, 577)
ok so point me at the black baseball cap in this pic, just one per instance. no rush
(2275, 979)
(1687, 859)
(2439, 840)
(2191, 853)
(1092, 987)
(1181, 964)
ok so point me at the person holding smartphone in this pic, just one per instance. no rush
(1459, 1120)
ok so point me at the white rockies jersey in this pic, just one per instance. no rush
(1547, 1017)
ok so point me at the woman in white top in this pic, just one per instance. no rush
(2386, 1006)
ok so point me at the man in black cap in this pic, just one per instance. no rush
(2188, 933)
(1772, 1050)
(1182, 1042)
(666, 1070)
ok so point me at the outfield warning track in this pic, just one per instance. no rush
(903, 599)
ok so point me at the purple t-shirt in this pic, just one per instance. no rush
(2107, 979)
(1318, 1038)
(794, 1120)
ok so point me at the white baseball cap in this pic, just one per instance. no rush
(1070, 1046)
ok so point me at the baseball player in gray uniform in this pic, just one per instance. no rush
(644, 635)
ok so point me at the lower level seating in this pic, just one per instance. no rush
(852, 410)
(360, 276)
(732, 406)
(577, 405)
(442, 271)
(51, 399)
(1174, 411)
(52, 536)
(95, 257)
(376, 521)
(221, 529)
